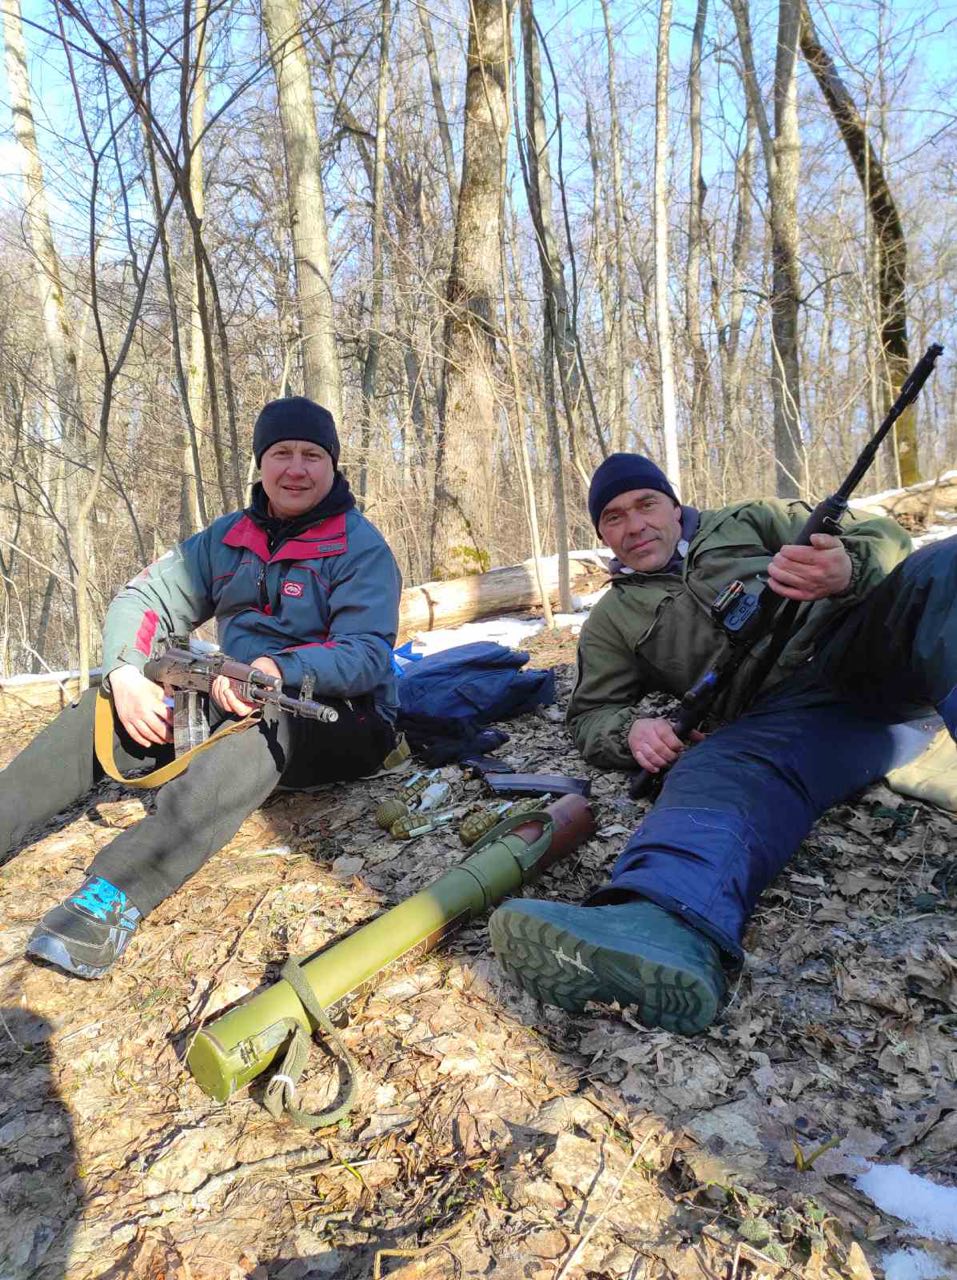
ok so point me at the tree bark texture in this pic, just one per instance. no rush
(559, 341)
(620, 370)
(699, 451)
(468, 409)
(194, 508)
(782, 160)
(891, 244)
(666, 363)
(47, 274)
(61, 348)
(442, 119)
(322, 379)
(374, 340)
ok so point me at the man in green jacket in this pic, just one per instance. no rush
(851, 697)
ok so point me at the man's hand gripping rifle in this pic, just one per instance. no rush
(748, 618)
(190, 674)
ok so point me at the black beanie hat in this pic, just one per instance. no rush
(619, 473)
(295, 418)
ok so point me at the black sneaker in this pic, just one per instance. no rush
(88, 932)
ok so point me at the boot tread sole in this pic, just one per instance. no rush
(558, 968)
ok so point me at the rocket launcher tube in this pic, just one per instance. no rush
(239, 1045)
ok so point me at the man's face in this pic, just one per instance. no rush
(296, 474)
(642, 527)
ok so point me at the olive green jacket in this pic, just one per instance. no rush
(654, 632)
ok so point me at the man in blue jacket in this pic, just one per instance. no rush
(302, 587)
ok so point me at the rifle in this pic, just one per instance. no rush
(191, 674)
(747, 617)
(243, 1041)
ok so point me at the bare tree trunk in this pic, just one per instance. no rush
(176, 344)
(891, 245)
(781, 158)
(58, 335)
(193, 513)
(727, 323)
(467, 411)
(666, 364)
(622, 373)
(435, 80)
(528, 485)
(371, 364)
(307, 209)
(602, 283)
(697, 190)
(559, 339)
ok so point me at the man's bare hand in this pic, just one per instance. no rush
(141, 707)
(228, 693)
(655, 745)
(811, 573)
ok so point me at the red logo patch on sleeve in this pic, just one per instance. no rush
(294, 589)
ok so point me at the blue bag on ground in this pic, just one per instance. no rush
(447, 699)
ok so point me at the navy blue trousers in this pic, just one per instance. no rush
(735, 808)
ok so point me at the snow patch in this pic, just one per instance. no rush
(912, 1264)
(928, 1206)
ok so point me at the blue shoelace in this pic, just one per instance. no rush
(100, 898)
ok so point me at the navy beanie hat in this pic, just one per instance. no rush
(295, 418)
(619, 473)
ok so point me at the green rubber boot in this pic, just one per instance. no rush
(634, 953)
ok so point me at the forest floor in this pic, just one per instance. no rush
(492, 1137)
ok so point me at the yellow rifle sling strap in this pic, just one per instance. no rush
(103, 728)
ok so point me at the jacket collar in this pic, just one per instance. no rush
(326, 538)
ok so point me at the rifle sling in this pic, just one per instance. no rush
(280, 1095)
(103, 730)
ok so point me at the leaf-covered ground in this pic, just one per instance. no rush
(493, 1138)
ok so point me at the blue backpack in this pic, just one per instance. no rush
(447, 699)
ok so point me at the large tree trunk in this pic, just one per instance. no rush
(781, 159)
(307, 209)
(891, 245)
(559, 343)
(193, 515)
(666, 364)
(699, 442)
(61, 348)
(601, 259)
(370, 365)
(468, 419)
(435, 80)
(785, 290)
(619, 370)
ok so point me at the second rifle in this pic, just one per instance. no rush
(748, 617)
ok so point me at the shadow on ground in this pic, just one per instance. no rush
(40, 1194)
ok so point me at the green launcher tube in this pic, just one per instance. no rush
(241, 1043)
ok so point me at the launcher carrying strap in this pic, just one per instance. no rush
(280, 1095)
(104, 727)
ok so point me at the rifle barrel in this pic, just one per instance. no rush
(778, 617)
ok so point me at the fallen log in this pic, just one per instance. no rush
(483, 595)
(512, 589)
(921, 501)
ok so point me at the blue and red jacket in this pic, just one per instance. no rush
(323, 602)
